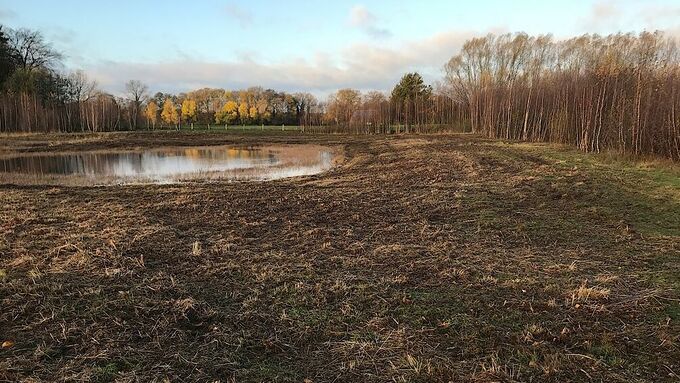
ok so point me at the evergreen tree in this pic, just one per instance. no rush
(8, 58)
(410, 87)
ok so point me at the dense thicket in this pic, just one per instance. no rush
(619, 92)
(8, 57)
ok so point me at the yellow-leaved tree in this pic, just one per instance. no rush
(243, 112)
(169, 113)
(253, 113)
(263, 110)
(189, 111)
(228, 114)
(151, 114)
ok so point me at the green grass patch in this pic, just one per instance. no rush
(270, 370)
(607, 353)
(643, 195)
(241, 128)
(431, 308)
(105, 373)
(672, 311)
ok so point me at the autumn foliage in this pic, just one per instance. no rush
(169, 113)
(616, 93)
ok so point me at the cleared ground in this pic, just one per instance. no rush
(419, 258)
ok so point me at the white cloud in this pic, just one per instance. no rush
(658, 17)
(605, 9)
(361, 17)
(604, 15)
(239, 14)
(610, 16)
(361, 66)
(6, 14)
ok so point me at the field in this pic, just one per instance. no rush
(231, 128)
(418, 258)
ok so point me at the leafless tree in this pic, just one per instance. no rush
(32, 50)
(617, 92)
(79, 91)
(137, 93)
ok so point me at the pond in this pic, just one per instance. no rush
(168, 165)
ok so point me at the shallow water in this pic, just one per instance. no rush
(169, 165)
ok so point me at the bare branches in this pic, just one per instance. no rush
(33, 51)
(616, 92)
(80, 88)
(137, 93)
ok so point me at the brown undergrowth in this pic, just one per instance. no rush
(423, 258)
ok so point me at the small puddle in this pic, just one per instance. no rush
(167, 165)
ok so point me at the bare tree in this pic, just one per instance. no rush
(33, 52)
(79, 91)
(80, 87)
(616, 92)
(137, 93)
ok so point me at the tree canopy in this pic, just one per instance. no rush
(9, 58)
(411, 87)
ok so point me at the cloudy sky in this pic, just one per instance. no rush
(301, 45)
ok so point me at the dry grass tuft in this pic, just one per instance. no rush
(584, 293)
(489, 280)
(196, 249)
(606, 278)
(185, 304)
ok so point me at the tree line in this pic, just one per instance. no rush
(35, 96)
(252, 106)
(411, 107)
(619, 92)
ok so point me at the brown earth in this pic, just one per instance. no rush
(418, 258)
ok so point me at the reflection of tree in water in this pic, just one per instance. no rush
(139, 163)
(68, 164)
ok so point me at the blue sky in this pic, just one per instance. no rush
(298, 45)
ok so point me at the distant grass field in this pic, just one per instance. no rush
(236, 129)
(240, 128)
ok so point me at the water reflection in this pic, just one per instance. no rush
(171, 164)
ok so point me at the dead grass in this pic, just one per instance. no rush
(434, 258)
(585, 293)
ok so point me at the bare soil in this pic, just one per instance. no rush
(418, 258)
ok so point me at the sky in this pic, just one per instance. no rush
(301, 45)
